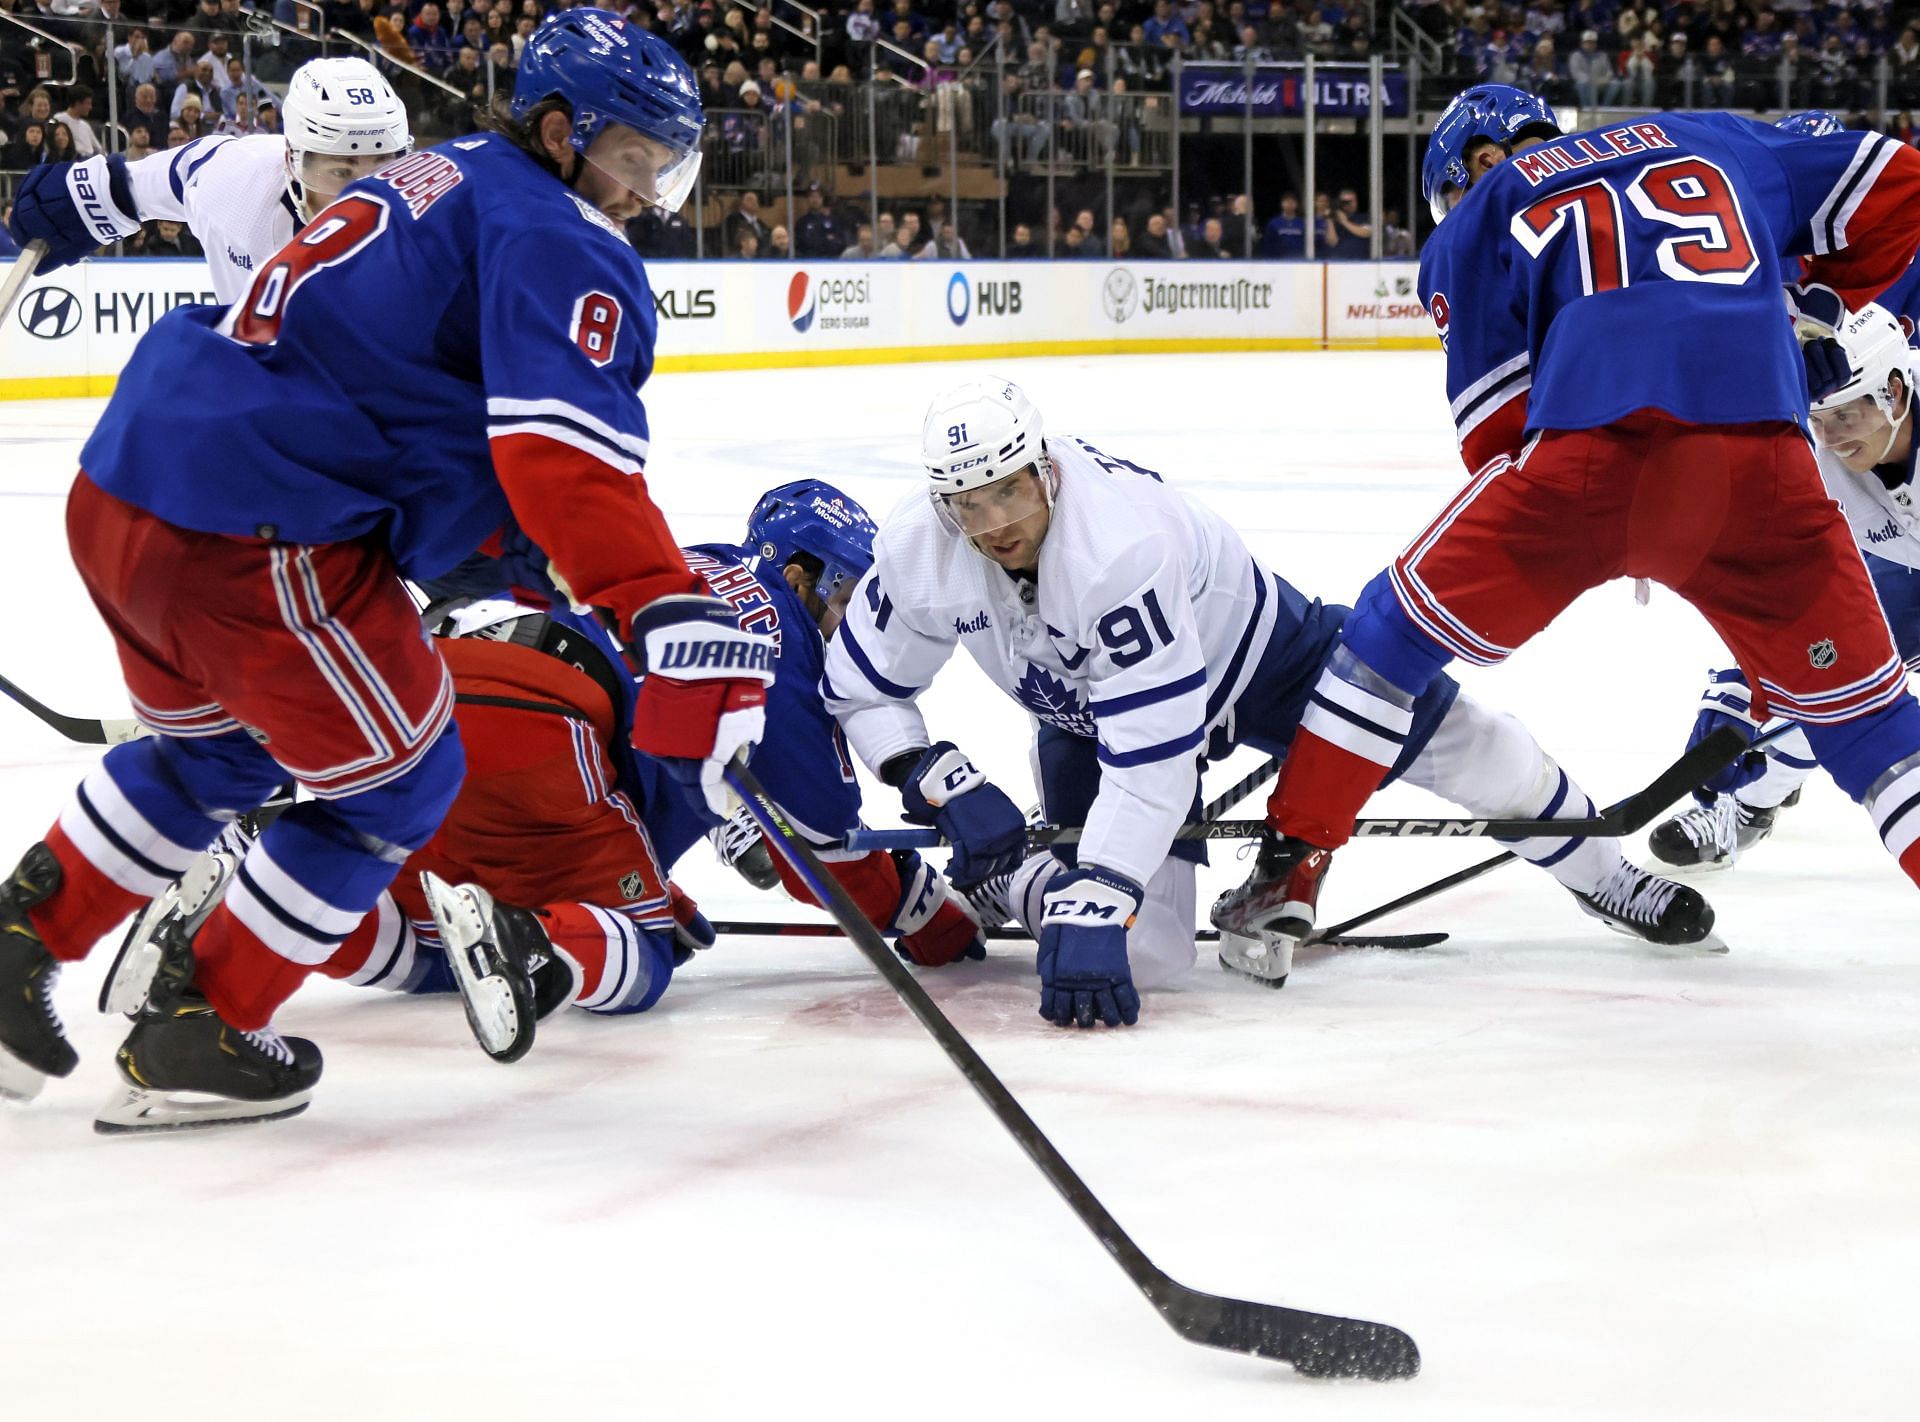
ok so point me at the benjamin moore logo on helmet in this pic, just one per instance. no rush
(959, 298)
(50, 312)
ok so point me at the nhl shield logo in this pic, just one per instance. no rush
(631, 885)
(1822, 654)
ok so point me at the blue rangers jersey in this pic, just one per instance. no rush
(1640, 266)
(457, 337)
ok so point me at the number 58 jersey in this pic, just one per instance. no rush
(1640, 266)
(456, 336)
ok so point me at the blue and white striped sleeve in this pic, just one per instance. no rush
(878, 663)
(160, 180)
(1148, 693)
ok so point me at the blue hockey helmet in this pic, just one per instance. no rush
(611, 72)
(1814, 123)
(1498, 112)
(814, 518)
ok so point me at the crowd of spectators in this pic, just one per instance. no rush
(1697, 53)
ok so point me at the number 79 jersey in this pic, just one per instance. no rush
(1146, 621)
(1640, 266)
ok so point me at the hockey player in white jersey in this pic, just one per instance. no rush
(243, 197)
(1864, 445)
(1136, 627)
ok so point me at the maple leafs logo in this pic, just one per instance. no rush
(1053, 701)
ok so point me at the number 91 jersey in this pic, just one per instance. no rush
(1146, 621)
(1640, 266)
(453, 329)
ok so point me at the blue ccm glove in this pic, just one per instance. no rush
(1084, 973)
(985, 828)
(1727, 701)
(74, 207)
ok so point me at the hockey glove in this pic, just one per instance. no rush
(1817, 310)
(74, 208)
(1084, 974)
(985, 828)
(703, 695)
(1827, 367)
(903, 895)
(1727, 701)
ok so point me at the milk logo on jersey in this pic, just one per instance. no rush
(834, 303)
(50, 312)
(1120, 295)
(1823, 654)
(979, 622)
(1053, 701)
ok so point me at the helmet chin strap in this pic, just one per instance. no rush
(1893, 431)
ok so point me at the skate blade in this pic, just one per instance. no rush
(135, 1110)
(1240, 972)
(1712, 943)
(130, 979)
(503, 1031)
(18, 1081)
(1260, 960)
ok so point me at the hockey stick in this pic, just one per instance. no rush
(1317, 1344)
(1474, 871)
(1712, 754)
(76, 728)
(20, 274)
(1235, 793)
(775, 929)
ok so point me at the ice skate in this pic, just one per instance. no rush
(1657, 910)
(187, 903)
(742, 848)
(502, 963)
(33, 1042)
(1274, 909)
(1711, 836)
(184, 1068)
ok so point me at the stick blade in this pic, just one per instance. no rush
(1318, 1345)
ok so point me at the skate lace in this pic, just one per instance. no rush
(1630, 892)
(272, 1044)
(48, 981)
(735, 837)
(1714, 825)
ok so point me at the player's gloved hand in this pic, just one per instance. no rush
(985, 828)
(933, 929)
(692, 932)
(1816, 310)
(1727, 701)
(1084, 975)
(703, 696)
(1827, 367)
(73, 207)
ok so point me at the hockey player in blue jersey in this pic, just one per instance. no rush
(456, 339)
(1629, 401)
(1864, 430)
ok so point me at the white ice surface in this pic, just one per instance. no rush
(1595, 1180)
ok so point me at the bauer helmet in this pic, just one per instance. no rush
(1877, 350)
(609, 71)
(340, 108)
(1814, 123)
(816, 519)
(1497, 112)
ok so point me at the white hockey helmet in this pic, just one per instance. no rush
(1877, 350)
(977, 434)
(342, 108)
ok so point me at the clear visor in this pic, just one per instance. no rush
(1848, 423)
(324, 176)
(1442, 202)
(974, 513)
(657, 172)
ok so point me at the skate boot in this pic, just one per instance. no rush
(989, 903)
(187, 902)
(184, 1068)
(1712, 836)
(1273, 910)
(1658, 910)
(741, 847)
(33, 1043)
(503, 964)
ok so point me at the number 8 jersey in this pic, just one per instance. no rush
(457, 336)
(1640, 266)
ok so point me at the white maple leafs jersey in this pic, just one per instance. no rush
(1885, 522)
(1143, 625)
(231, 192)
